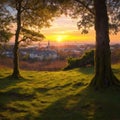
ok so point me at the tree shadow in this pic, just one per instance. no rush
(116, 70)
(86, 70)
(10, 91)
(86, 105)
(8, 81)
(46, 89)
(10, 94)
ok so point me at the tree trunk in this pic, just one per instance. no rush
(104, 76)
(16, 73)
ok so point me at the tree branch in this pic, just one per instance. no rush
(86, 6)
(24, 7)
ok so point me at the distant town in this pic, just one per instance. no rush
(49, 56)
(51, 52)
(48, 51)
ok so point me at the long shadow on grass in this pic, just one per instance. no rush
(116, 70)
(10, 92)
(86, 70)
(8, 81)
(46, 89)
(87, 105)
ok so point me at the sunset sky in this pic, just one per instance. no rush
(64, 29)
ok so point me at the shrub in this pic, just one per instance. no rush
(87, 59)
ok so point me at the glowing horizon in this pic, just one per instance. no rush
(68, 37)
(64, 29)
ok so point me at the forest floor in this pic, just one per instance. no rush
(60, 95)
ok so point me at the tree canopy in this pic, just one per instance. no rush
(103, 15)
(5, 21)
(85, 11)
(34, 14)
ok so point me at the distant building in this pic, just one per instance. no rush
(45, 54)
(48, 45)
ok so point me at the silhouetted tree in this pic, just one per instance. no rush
(104, 76)
(95, 13)
(30, 16)
(5, 20)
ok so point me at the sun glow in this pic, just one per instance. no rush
(64, 29)
(59, 38)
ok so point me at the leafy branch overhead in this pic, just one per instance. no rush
(5, 23)
(5, 36)
(84, 10)
(102, 15)
(30, 35)
(29, 14)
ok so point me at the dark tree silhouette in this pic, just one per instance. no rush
(29, 14)
(5, 20)
(95, 13)
(104, 76)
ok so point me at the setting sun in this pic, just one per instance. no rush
(70, 32)
(59, 38)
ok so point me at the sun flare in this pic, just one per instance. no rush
(59, 38)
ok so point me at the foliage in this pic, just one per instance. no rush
(5, 21)
(115, 55)
(95, 13)
(30, 16)
(5, 36)
(41, 12)
(62, 95)
(30, 35)
(87, 59)
(84, 11)
(34, 15)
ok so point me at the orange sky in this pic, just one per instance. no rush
(65, 29)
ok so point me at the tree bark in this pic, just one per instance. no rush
(16, 73)
(104, 76)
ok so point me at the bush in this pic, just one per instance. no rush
(87, 59)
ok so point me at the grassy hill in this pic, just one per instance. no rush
(61, 95)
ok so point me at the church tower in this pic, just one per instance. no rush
(48, 45)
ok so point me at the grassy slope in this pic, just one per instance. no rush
(62, 95)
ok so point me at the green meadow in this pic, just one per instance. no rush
(61, 95)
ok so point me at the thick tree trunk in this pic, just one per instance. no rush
(104, 76)
(16, 73)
